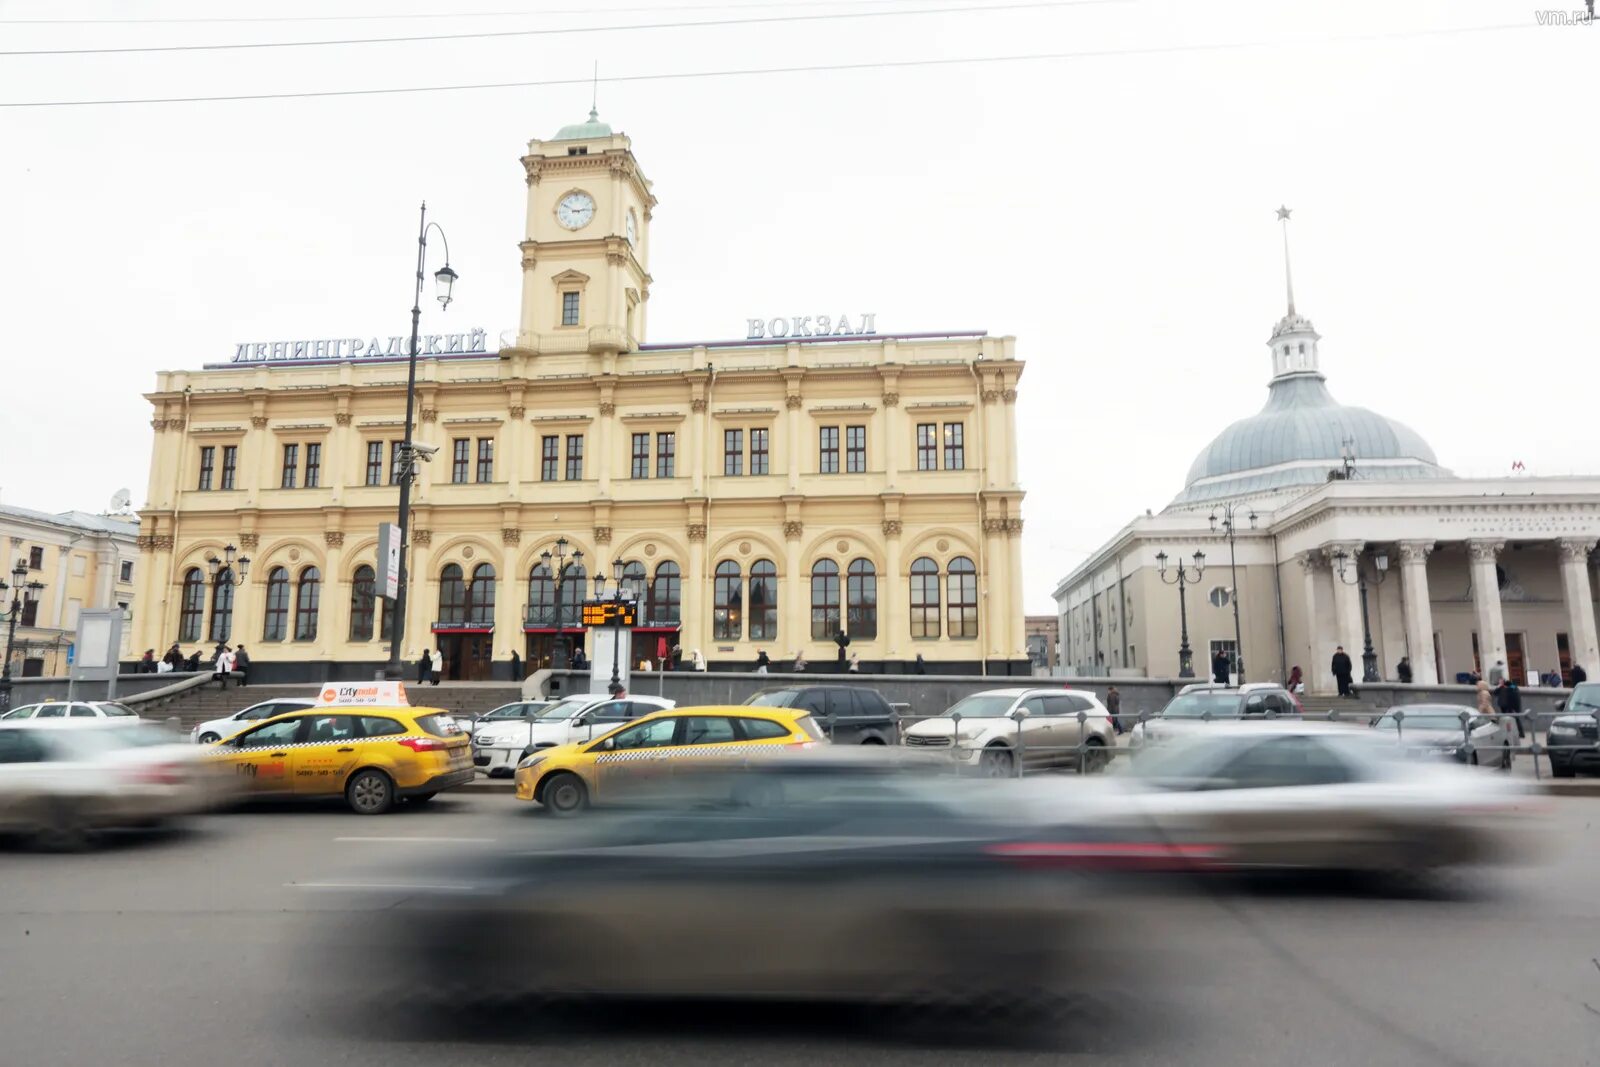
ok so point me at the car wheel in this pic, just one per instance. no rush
(996, 762)
(565, 795)
(1096, 758)
(1473, 758)
(420, 798)
(60, 828)
(869, 740)
(369, 793)
(1562, 770)
(210, 738)
(1506, 757)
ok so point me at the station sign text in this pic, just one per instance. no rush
(435, 344)
(812, 326)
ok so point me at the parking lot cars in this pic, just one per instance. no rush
(990, 732)
(1574, 735)
(498, 747)
(634, 761)
(216, 729)
(104, 710)
(1204, 703)
(1435, 731)
(848, 714)
(62, 782)
(516, 711)
(372, 754)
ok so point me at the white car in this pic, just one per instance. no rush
(220, 729)
(516, 711)
(497, 748)
(988, 732)
(99, 711)
(62, 781)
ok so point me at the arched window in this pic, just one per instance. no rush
(573, 592)
(961, 597)
(480, 596)
(824, 600)
(193, 609)
(306, 600)
(452, 594)
(275, 625)
(666, 595)
(222, 605)
(924, 598)
(363, 589)
(541, 596)
(727, 616)
(633, 580)
(861, 599)
(763, 600)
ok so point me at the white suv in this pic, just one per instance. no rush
(989, 731)
(219, 729)
(498, 747)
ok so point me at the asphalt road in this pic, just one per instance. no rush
(189, 950)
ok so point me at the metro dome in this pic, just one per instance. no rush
(584, 131)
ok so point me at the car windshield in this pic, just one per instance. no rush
(981, 706)
(1585, 697)
(1182, 764)
(114, 710)
(100, 741)
(1200, 705)
(507, 711)
(564, 709)
(1432, 719)
(776, 698)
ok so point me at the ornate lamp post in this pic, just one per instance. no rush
(225, 565)
(1225, 527)
(617, 566)
(23, 592)
(1380, 563)
(1181, 579)
(444, 280)
(558, 656)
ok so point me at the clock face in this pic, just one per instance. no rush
(575, 210)
(633, 227)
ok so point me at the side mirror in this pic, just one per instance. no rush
(1561, 705)
(1021, 713)
(608, 744)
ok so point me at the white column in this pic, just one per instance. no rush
(992, 590)
(1486, 600)
(1585, 649)
(794, 593)
(64, 553)
(1419, 610)
(1346, 605)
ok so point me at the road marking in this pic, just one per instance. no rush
(445, 887)
(419, 840)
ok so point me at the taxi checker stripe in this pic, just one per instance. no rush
(730, 749)
(334, 741)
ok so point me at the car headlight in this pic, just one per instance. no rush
(1563, 728)
(530, 762)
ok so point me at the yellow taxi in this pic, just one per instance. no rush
(631, 759)
(360, 741)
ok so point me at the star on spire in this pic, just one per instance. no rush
(1283, 214)
(1288, 275)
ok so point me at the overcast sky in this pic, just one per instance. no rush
(1114, 211)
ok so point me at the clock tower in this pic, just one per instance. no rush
(586, 251)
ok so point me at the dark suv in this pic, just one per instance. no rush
(1574, 735)
(850, 714)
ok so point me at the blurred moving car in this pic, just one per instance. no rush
(101, 710)
(373, 756)
(1202, 703)
(634, 762)
(1573, 737)
(208, 733)
(516, 711)
(61, 782)
(1436, 731)
(498, 747)
(848, 714)
(990, 731)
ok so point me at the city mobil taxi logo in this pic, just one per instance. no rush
(376, 693)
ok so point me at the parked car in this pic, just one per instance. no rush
(988, 732)
(497, 748)
(216, 729)
(516, 711)
(1202, 703)
(1573, 736)
(75, 709)
(848, 714)
(1435, 731)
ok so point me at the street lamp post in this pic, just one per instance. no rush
(1380, 564)
(1225, 526)
(617, 567)
(445, 280)
(1181, 579)
(558, 655)
(23, 592)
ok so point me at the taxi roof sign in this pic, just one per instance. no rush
(363, 694)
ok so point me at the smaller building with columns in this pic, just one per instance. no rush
(1345, 529)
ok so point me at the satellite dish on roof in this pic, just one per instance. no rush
(120, 502)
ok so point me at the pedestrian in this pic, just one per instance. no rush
(921, 666)
(192, 664)
(1114, 706)
(800, 662)
(147, 662)
(516, 666)
(1485, 700)
(644, 664)
(174, 657)
(1296, 683)
(1219, 667)
(1508, 698)
(762, 662)
(1579, 675)
(580, 662)
(1403, 669)
(221, 668)
(1497, 672)
(241, 665)
(841, 639)
(697, 660)
(677, 657)
(855, 663)
(438, 665)
(425, 668)
(1342, 670)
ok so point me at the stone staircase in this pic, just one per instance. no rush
(209, 702)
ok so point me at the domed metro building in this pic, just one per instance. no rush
(1345, 527)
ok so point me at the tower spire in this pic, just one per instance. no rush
(1288, 274)
(594, 99)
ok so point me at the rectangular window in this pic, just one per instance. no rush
(574, 457)
(485, 459)
(313, 465)
(374, 462)
(666, 455)
(955, 450)
(760, 457)
(855, 449)
(459, 457)
(36, 558)
(127, 571)
(230, 465)
(732, 451)
(549, 458)
(569, 309)
(927, 446)
(30, 613)
(641, 455)
(291, 465)
(208, 458)
(394, 462)
(828, 457)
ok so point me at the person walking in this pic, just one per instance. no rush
(580, 662)
(192, 664)
(697, 660)
(1403, 669)
(1579, 675)
(921, 666)
(762, 662)
(516, 666)
(241, 665)
(1114, 706)
(425, 668)
(855, 663)
(1485, 700)
(1219, 667)
(1508, 698)
(174, 657)
(800, 662)
(147, 662)
(1296, 680)
(1342, 670)
(438, 665)
(222, 667)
